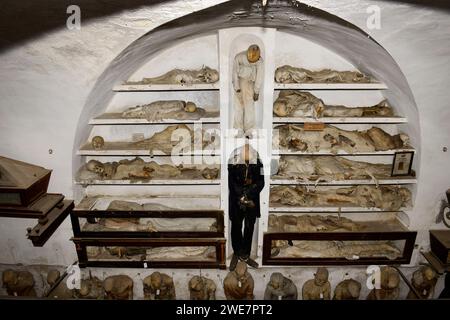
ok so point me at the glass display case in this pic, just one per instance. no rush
(324, 239)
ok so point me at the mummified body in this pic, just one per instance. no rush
(60, 291)
(18, 283)
(347, 290)
(201, 288)
(179, 76)
(239, 284)
(148, 224)
(326, 168)
(289, 74)
(159, 286)
(280, 288)
(310, 223)
(318, 288)
(118, 287)
(335, 249)
(296, 103)
(333, 139)
(166, 109)
(180, 138)
(423, 280)
(91, 288)
(389, 285)
(184, 253)
(138, 169)
(383, 197)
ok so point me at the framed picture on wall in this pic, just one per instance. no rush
(402, 163)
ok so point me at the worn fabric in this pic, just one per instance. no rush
(248, 180)
(244, 107)
(247, 77)
(232, 289)
(244, 69)
(242, 241)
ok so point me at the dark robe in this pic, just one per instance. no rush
(237, 188)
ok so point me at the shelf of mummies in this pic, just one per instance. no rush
(178, 139)
(138, 171)
(237, 285)
(294, 139)
(304, 106)
(294, 169)
(148, 216)
(288, 138)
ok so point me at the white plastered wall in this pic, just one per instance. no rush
(46, 82)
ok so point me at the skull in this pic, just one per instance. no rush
(280, 108)
(53, 276)
(190, 107)
(152, 282)
(209, 75)
(210, 174)
(96, 167)
(331, 139)
(404, 138)
(298, 144)
(98, 142)
(354, 288)
(9, 277)
(196, 283)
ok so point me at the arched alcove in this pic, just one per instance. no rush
(299, 28)
(313, 24)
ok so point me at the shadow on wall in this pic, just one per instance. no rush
(24, 20)
(30, 19)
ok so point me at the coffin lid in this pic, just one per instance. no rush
(18, 174)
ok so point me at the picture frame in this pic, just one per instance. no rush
(402, 163)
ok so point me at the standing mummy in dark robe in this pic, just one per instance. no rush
(245, 182)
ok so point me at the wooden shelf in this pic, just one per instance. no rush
(166, 87)
(119, 152)
(355, 120)
(328, 153)
(396, 180)
(329, 209)
(116, 118)
(149, 182)
(331, 86)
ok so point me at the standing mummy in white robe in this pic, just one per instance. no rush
(247, 80)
